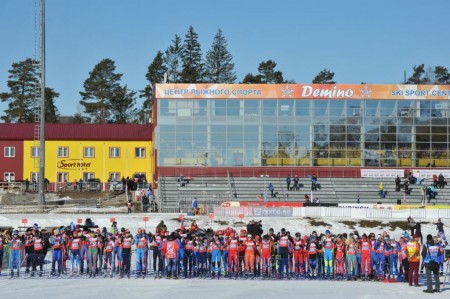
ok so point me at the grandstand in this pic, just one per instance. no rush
(211, 191)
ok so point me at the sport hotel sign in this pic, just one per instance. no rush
(302, 91)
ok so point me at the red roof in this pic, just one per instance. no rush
(100, 132)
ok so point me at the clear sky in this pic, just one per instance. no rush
(369, 41)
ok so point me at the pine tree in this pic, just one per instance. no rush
(51, 112)
(99, 89)
(122, 106)
(268, 73)
(173, 60)
(219, 66)
(324, 77)
(418, 76)
(192, 71)
(22, 97)
(441, 75)
(155, 74)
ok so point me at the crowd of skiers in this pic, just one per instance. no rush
(194, 252)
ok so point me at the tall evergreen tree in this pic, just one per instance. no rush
(442, 75)
(22, 97)
(51, 112)
(324, 77)
(173, 60)
(219, 66)
(122, 105)
(418, 76)
(268, 73)
(99, 89)
(192, 71)
(155, 74)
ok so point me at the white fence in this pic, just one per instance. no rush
(338, 212)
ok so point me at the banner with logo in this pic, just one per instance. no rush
(382, 173)
(272, 212)
(261, 204)
(428, 173)
(366, 206)
(302, 91)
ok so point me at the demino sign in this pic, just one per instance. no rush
(73, 164)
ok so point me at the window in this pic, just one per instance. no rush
(10, 151)
(9, 176)
(114, 176)
(114, 152)
(35, 152)
(62, 177)
(63, 152)
(88, 175)
(89, 152)
(139, 152)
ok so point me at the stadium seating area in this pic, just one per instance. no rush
(214, 190)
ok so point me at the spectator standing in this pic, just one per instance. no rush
(27, 184)
(381, 190)
(422, 194)
(418, 231)
(145, 203)
(440, 229)
(288, 182)
(75, 185)
(397, 183)
(124, 183)
(80, 183)
(129, 205)
(194, 206)
(296, 183)
(411, 225)
(441, 181)
(270, 187)
(413, 254)
(431, 252)
(435, 180)
(314, 182)
(358, 200)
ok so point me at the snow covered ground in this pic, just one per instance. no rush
(194, 288)
(187, 289)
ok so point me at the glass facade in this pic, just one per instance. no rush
(302, 132)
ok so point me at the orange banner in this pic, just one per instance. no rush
(302, 91)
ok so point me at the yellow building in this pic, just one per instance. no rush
(87, 151)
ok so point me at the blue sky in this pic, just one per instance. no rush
(370, 41)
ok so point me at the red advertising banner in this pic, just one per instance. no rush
(227, 204)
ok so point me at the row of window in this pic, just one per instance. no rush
(284, 107)
(63, 152)
(61, 176)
